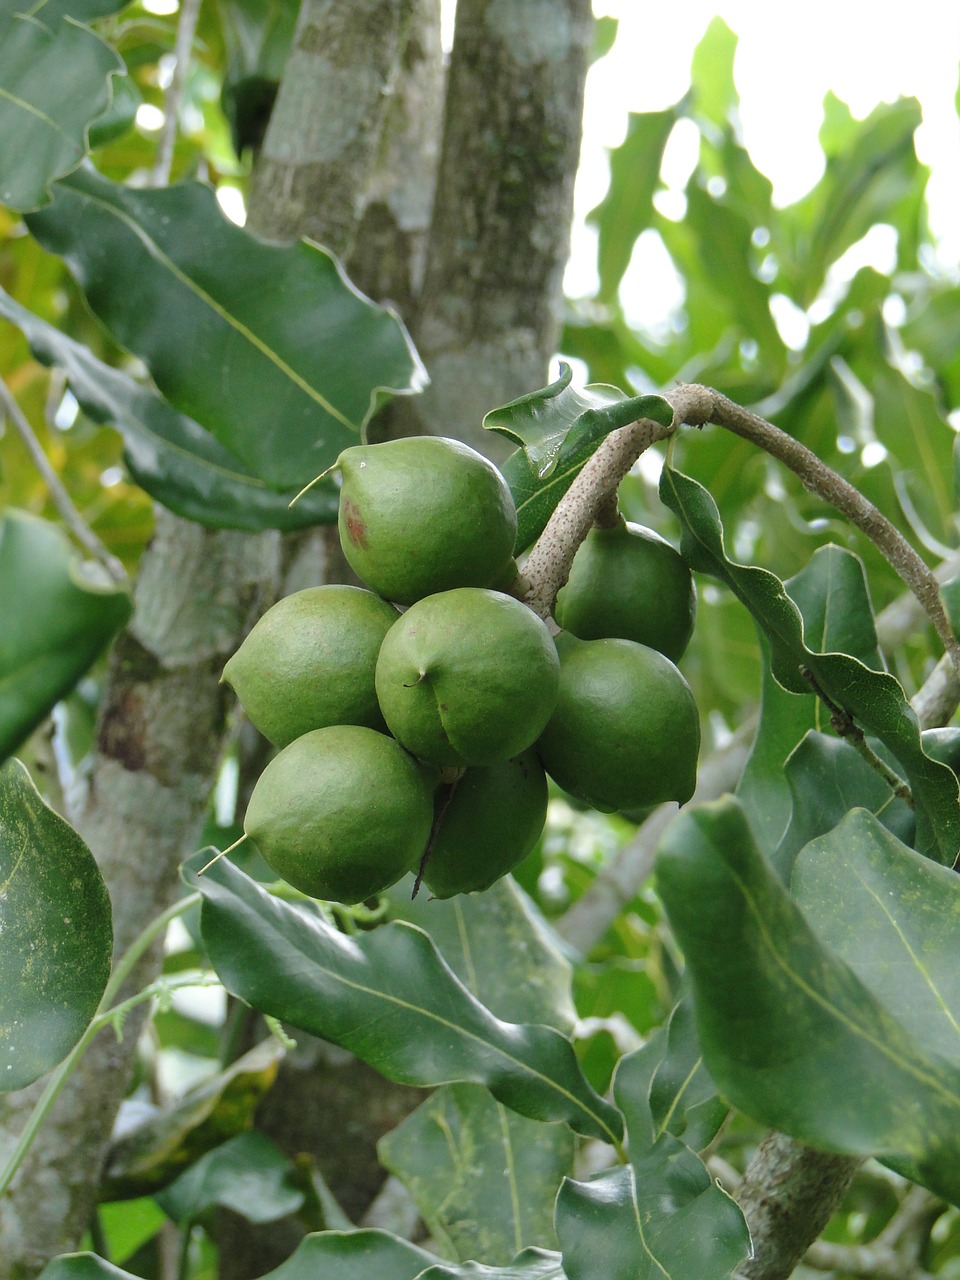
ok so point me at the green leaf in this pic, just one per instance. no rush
(248, 1174)
(874, 699)
(711, 73)
(485, 1180)
(789, 1032)
(268, 347)
(664, 1087)
(168, 454)
(834, 601)
(627, 208)
(350, 1255)
(873, 169)
(559, 428)
(532, 979)
(82, 1266)
(127, 1225)
(911, 423)
(152, 1153)
(73, 615)
(354, 1255)
(683, 1099)
(894, 918)
(388, 997)
(723, 238)
(660, 1218)
(827, 778)
(663, 1215)
(531, 1264)
(56, 936)
(52, 11)
(54, 81)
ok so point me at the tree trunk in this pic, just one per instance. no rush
(488, 319)
(160, 737)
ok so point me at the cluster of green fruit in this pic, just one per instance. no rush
(418, 740)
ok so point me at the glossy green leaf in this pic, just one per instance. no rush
(827, 778)
(83, 1266)
(484, 1179)
(664, 1087)
(559, 428)
(532, 979)
(894, 918)
(68, 615)
(660, 1218)
(354, 1255)
(662, 1215)
(683, 1099)
(167, 453)
(351, 1255)
(788, 1031)
(627, 208)
(56, 936)
(531, 1264)
(51, 11)
(388, 997)
(149, 1155)
(268, 347)
(834, 601)
(874, 699)
(54, 80)
(247, 1174)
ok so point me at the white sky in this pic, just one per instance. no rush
(787, 58)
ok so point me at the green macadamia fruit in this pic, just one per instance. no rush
(310, 660)
(627, 581)
(425, 514)
(342, 813)
(626, 731)
(467, 677)
(486, 823)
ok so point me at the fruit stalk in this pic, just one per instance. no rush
(595, 487)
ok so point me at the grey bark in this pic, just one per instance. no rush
(163, 724)
(788, 1195)
(488, 318)
(325, 130)
(160, 737)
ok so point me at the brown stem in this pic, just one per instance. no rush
(594, 488)
(788, 1195)
(696, 406)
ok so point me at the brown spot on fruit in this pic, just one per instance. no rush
(356, 528)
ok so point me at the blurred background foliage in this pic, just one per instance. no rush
(861, 364)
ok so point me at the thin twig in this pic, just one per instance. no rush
(186, 27)
(848, 729)
(58, 493)
(696, 406)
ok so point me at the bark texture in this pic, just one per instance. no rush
(788, 1194)
(160, 738)
(488, 318)
(325, 131)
